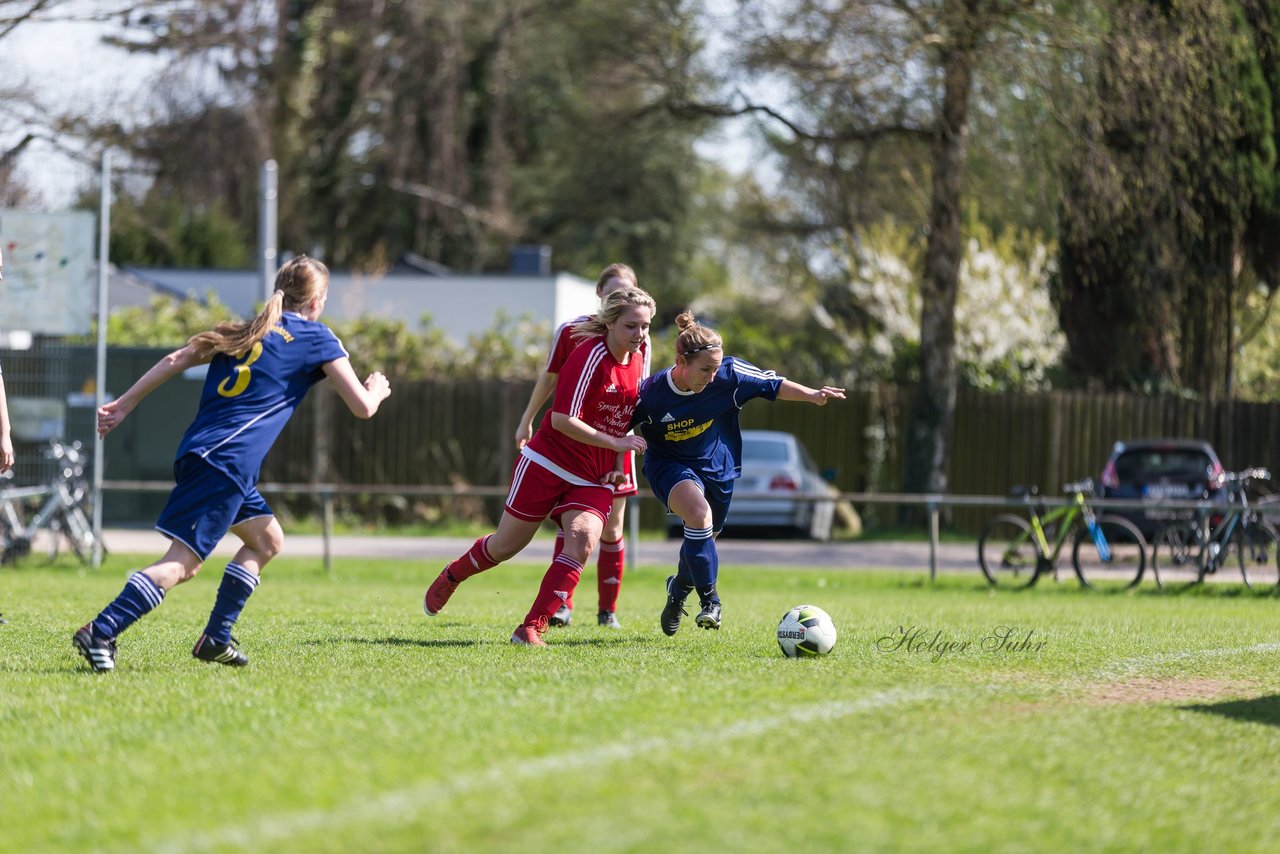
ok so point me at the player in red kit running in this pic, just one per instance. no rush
(612, 557)
(568, 469)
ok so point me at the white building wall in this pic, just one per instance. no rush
(460, 306)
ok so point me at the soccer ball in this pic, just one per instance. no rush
(806, 630)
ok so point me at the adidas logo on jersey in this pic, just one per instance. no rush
(612, 387)
(668, 417)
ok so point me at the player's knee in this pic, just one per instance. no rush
(698, 517)
(613, 528)
(272, 543)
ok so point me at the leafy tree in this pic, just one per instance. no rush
(450, 130)
(869, 113)
(1176, 162)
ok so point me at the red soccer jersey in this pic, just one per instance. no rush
(597, 389)
(563, 344)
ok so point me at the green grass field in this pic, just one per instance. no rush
(1127, 722)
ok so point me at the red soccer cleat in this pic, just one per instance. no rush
(438, 593)
(530, 635)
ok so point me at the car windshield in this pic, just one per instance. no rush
(764, 450)
(1174, 464)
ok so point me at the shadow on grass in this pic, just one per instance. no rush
(443, 643)
(427, 643)
(1262, 710)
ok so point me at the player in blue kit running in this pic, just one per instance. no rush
(259, 372)
(688, 415)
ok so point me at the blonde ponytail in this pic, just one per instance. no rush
(299, 282)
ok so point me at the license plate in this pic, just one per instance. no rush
(1166, 490)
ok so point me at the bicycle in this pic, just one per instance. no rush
(1108, 552)
(1184, 552)
(62, 512)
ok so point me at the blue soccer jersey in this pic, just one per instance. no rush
(246, 401)
(701, 430)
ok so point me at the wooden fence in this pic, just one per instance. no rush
(460, 433)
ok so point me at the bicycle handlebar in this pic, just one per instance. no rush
(1085, 486)
(1243, 476)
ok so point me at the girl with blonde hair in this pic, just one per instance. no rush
(568, 471)
(259, 372)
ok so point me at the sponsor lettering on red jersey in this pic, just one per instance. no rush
(600, 391)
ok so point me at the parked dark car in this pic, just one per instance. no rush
(1181, 469)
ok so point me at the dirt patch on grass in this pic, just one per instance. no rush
(1166, 690)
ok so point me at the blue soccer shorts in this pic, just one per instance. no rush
(204, 505)
(664, 475)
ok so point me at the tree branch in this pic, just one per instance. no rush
(9, 156)
(501, 225)
(9, 24)
(688, 109)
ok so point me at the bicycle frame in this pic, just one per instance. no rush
(1065, 518)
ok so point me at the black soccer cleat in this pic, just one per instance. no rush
(674, 609)
(709, 616)
(562, 617)
(100, 652)
(221, 653)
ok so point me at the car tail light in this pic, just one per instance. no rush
(782, 483)
(1109, 477)
(1216, 471)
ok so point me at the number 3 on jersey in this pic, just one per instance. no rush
(241, 376)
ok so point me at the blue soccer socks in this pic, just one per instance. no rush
(698, 554)
(237, 586)
(139, 596)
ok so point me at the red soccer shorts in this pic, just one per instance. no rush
(538, 493)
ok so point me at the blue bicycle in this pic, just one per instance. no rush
(1107, 552)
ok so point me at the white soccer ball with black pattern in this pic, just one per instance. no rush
(805, 631)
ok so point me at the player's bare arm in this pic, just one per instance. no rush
(111, 414)
(363, 399)
(542, 390)
(817, 396)
(576, 428)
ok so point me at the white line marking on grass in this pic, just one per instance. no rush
(1126, 666)
(404, 804)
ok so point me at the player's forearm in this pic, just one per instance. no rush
(794, 391)
(541, 391)
(160, 373)
(581, 431)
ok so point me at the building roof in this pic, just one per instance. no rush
(458, 304)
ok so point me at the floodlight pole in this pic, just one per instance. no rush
(100, 381)
(268, 212)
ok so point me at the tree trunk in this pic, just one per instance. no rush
(933, 413)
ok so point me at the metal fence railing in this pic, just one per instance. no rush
(933, 505)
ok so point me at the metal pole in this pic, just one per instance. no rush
(268, 211)
(327, 527)
(633, 526)
(100, 382)
(932, 504)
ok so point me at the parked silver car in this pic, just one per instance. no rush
(773, 495)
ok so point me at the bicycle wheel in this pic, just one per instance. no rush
(1175, 555)
(1256, 548)
(1007, 552)
(1113, 557)
(79, 533)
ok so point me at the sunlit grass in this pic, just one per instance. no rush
(1090, 721)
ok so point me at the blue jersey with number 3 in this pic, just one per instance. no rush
(246, 401)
